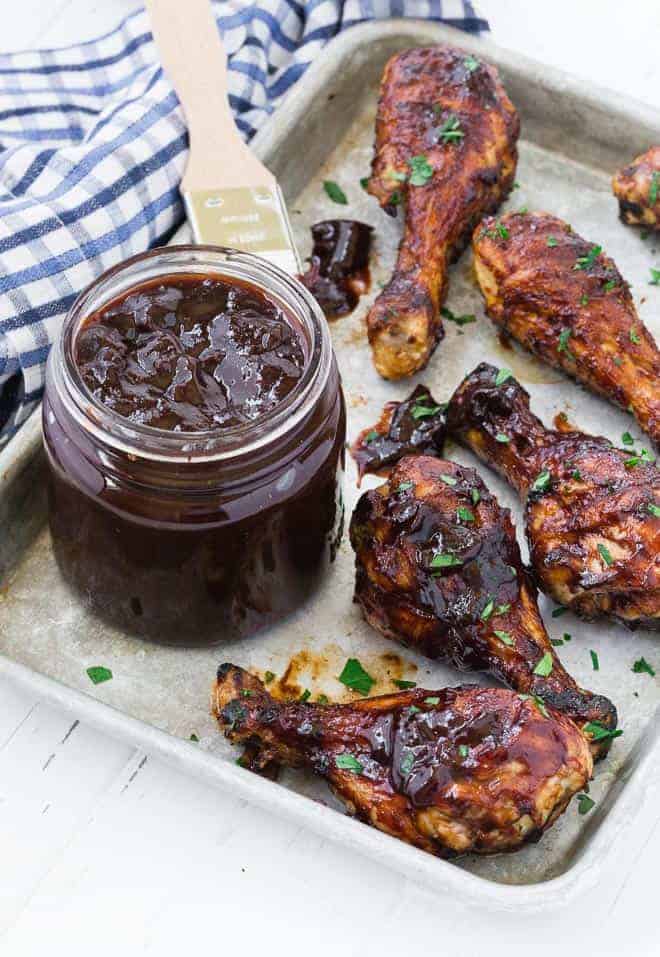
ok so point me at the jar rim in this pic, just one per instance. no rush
(146, 441)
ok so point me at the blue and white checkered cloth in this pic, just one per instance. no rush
(93, 145)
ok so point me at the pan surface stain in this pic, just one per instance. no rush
(318, 670)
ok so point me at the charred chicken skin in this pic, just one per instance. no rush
(446, 147)
(451, 771)
(439, 569)
(637, 187)
(564, 300)
(592, 512)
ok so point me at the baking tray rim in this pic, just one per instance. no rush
(629, 791)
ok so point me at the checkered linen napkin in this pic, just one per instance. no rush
(93, 145)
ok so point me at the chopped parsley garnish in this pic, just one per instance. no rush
(355, 677)
(634, 338)
(605, 553)
(618, 361)
(407, 762)
(488, 610)
(557, 612)
(193, 737)
(233, 714)
(475, 495)
(403, 684)
(463, 750)
(471, 63)
(610, 285)
(654, 188)
(268, 677)
(556, 642)
(627, 439)
(599, 732)
(246, 693)
(459, 320)
(432, 701)
(502, 376)
(464, 514)
(551, 241)
(404, 486)
(335, 192)
(364, 182)
(585, 803)
(577, 475)
(502, 609)
(542, 482)
(655, 277)
(444, 560)
(523, 210)
(502, 231)
(595, 663)
(566, 636)
(538, 701)
(421, 170)
(448, 479)
(586, 262)
(413, 709)
(564, 336)
(544, 665)
(346, 762)
(421, 409)
(450, 131)
(501, 437)
(642, 667)
(370, 436)
(98, 674)
(306, 695)
(394, 198)
(505, 637)
(323, 699)
(654, 509)
(584, 301)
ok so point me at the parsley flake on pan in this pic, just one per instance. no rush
(97, 674)
(642, 667)
(585, 803)
(335, 192)
(355, 677)
(459, 320)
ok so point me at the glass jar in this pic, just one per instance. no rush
(195, 537)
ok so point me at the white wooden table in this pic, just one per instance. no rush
(104, 851)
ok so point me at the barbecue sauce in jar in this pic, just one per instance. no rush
(194, 424)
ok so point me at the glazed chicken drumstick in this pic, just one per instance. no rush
(446, 147)
(637, 187)
(564, 300)
(592, 512)
(438, 568)
(452, 771)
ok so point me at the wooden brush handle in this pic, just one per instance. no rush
(192, 54)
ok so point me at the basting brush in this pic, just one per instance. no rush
(230, 197)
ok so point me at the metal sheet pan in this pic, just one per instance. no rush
(573, 137)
